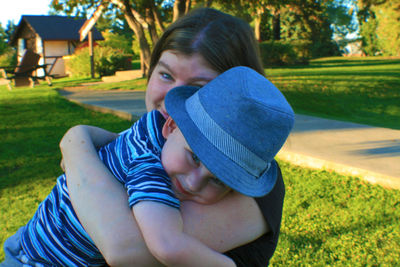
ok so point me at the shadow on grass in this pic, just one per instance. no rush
(31, 131)
(370, 74)
(352, 62)
(335, 63)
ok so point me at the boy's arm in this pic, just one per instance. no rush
(162, 229)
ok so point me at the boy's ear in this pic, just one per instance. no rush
(169, 127)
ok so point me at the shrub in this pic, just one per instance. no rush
(370, 44)
(275, 53)
(9, 58)
(107, 61)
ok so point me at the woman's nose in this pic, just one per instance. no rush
(180, 82)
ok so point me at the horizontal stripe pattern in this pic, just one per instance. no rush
(54, 236)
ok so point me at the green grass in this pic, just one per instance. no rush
(362, 90)
(328, 219)
(335, 220)
(33, 122)
(137, 84)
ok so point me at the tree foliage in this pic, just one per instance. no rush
(5, 35)
(139, 15)
(388, 27)
(287, 20)
(380, 26)
(3, 40)
(8, 55)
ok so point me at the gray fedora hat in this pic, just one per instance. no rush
(235, 124)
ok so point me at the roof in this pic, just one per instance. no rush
(54, 27)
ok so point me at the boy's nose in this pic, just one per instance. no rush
(197, 179)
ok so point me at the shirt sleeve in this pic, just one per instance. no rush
(149, 181)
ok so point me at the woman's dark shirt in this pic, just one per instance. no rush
(260, 251)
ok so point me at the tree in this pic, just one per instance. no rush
(341, 15)
(5, 36)
(140, 15)
(3, 40)
(387, 17)
(379, 26)
(8, 55)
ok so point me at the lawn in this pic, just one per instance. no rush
(363, 90)
(329, 219)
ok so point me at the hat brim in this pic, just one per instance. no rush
(214, 160)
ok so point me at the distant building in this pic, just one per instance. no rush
(52, 37)
(354, 49)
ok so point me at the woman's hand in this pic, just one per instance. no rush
(99, 137)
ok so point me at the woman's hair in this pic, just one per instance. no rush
(224, 41)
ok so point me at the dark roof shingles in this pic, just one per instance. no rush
(58, 27)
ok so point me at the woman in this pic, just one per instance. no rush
(192, 51)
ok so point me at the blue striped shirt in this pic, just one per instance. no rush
(54, 236)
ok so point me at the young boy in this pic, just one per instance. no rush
(221, 137)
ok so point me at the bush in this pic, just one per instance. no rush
(370, 45)
(324, 49)
(9, 58)
(107, 61)
(303, 50)
(277, 53)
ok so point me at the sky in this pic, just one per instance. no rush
(14, 9)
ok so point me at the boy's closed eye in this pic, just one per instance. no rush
(217, 181)
(196, 161)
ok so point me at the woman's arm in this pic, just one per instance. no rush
(231, 222)
(162, 229)
(99, 200)
(101, 204)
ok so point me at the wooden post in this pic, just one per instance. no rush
(87, 29)
(91, 53)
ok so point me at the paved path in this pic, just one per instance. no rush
(348, 148)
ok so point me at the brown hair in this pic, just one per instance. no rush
(222, 40)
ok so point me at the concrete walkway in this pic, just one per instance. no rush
(352, 149)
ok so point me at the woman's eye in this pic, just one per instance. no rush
(166, 76)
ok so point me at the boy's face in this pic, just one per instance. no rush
(191, 180)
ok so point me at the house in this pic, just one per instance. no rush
(52, 37)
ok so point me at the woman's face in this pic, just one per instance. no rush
(176, 69)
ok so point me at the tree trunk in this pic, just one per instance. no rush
(179, 9)
(151, 25)
(276, 25)
(139, 32)
(188, 6)
(257, 24)
(158, 19)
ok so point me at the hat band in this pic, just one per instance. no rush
(224, 142)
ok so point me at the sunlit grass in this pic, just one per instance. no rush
(362, 90)
(335, 220)
(328, 219)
